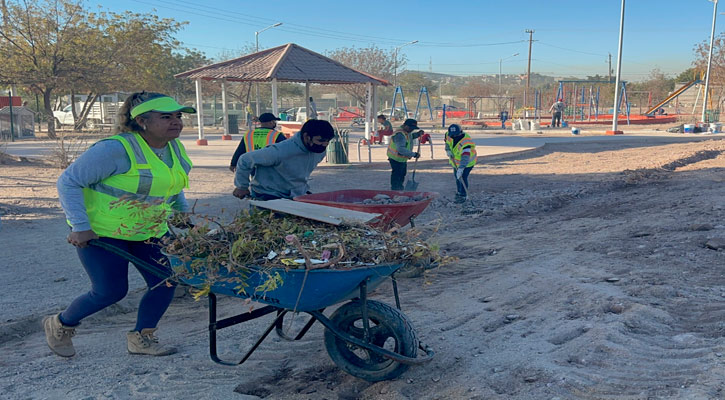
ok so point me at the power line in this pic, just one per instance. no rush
(571, 50)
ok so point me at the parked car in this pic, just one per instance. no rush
(399, 113)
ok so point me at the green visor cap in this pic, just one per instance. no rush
(160, 104)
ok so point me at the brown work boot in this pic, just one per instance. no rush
(58, 336)
(145, 342)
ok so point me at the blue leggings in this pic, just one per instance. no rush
(109, 282)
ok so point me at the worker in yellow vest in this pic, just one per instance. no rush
(400, 150)
(461, 151)
(120, 192)
(265, 135)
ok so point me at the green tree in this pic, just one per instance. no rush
(717, 67)
(51, 46)
(412, 82)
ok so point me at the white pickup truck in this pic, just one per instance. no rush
(101, 114)
(301, 114)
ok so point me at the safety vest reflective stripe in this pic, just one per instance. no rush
(123, 194)
(184, 164)
(146, 178)
(249, 140)
(271, 135)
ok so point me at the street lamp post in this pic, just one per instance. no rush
(395, 66)
(256, 40)
(709, 61)
(500, 61)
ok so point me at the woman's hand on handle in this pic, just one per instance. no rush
(80, 239)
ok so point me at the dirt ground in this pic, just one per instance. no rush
(587, 271)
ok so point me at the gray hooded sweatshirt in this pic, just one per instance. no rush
(280, 170)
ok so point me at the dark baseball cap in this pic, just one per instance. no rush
(411, 123)
(267, 117)
(454, 130)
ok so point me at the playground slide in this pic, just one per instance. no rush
(674, 94)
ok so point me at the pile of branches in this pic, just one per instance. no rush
(267, 240)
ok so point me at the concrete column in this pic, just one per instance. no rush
(201, 141)
(226, 135)
(275, 108)
(368, 110)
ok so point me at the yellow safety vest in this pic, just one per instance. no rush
(457, 150)
(393, 148)
(259, 138)
(135, 205)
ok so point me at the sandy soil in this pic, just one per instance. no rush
(587, 271)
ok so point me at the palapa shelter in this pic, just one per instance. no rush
(286, 63)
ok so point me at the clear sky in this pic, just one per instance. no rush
(469, 37)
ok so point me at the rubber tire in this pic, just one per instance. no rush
(91, 124)
(390, 324)
(57, 123)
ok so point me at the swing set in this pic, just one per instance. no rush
(582, 103)
(423, 91)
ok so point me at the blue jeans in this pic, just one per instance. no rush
(109, 282)
(462, 191)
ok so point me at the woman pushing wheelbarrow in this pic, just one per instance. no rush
(119, 192)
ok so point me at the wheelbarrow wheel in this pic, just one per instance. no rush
(389, 329)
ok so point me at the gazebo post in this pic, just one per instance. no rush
(200, 114)
(307, 99)
(226, 135)
(368, 109)
(374, 108)
(275, 109)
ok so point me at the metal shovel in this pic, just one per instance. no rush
(412, 185)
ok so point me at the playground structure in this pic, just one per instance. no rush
(582, 106)
(672, 96)
(423, 91)
(486, 109)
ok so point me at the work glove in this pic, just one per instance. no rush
(416, 155)
(459, 173)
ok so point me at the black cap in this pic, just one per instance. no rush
(411, 123)
(267, 117)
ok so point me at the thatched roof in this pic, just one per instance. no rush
(286, 63)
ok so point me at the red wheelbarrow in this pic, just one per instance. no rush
(398, 213)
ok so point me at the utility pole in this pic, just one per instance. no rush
(610, 67)
(528, 71)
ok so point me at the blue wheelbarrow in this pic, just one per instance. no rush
(366, 338)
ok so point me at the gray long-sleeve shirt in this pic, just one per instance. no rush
(102, 160)
(399, 139)
(280, 170)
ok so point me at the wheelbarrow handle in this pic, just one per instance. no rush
(150, 268)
